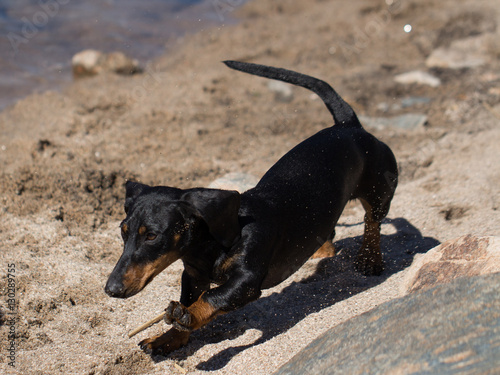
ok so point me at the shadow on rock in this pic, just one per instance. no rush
(333, 280)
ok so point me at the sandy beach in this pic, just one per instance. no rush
(188, 120)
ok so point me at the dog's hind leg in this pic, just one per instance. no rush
(369, 259)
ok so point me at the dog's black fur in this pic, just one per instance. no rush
(248, 242)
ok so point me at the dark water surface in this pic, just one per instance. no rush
(39, 37)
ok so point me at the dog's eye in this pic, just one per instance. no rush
(124, 230)
(150, 236)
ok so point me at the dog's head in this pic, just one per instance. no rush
(163, 224)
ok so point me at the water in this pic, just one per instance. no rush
(39, 37)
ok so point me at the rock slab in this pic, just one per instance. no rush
(449, 329)
(465, 256)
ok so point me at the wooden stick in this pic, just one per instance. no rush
(181, 369)
(146, 325)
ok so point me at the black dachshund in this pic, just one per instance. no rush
(248, 242)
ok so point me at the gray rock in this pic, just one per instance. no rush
(414, 100)
(464, 53)
(417, 76)
(235, 181)
(92, 62)
(407, 121)
(120, 63)
(404, 103)
(282, 91)
(87, 63)
(449, 329)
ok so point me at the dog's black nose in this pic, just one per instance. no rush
(114, 289)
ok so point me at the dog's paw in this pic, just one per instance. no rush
(368, 266)
(165, 343)
(179, 316)
(151, 346)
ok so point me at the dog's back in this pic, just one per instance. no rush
(313, 182)
(330, 162)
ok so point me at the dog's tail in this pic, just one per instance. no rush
(342, 112)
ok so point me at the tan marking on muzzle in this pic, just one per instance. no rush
(139, 275)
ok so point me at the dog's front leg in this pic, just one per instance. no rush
(165, 343)
(239, 290)
(175, 338)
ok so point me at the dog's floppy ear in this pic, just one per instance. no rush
(132, 191)
(219, 209)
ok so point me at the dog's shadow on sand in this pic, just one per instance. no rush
(333, 280)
